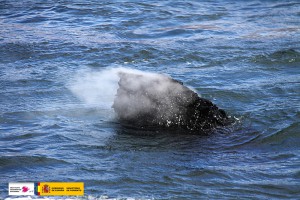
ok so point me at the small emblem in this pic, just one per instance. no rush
(46, 189)
(25, 189)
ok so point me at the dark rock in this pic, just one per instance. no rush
(151, 100)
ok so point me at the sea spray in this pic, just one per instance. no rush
(145, 99)
(95, 88)
(99, 87)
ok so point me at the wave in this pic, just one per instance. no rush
(285, 56)
(284, 137)
(28, 161)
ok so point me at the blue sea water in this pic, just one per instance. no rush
(242, 55)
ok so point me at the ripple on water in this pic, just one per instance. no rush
(287, 137)
(286, 57)
(15, 162)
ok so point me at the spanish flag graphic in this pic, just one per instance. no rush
(60, 189)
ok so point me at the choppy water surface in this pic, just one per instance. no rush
(244, 56)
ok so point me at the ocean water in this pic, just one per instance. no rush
(242, 55)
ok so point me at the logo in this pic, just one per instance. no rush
(46, 189)
(21, 189)
(25, 189)
(60, 188)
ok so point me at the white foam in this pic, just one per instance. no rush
(98, 88)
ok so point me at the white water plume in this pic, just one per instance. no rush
(99, 88)
(95, 88)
